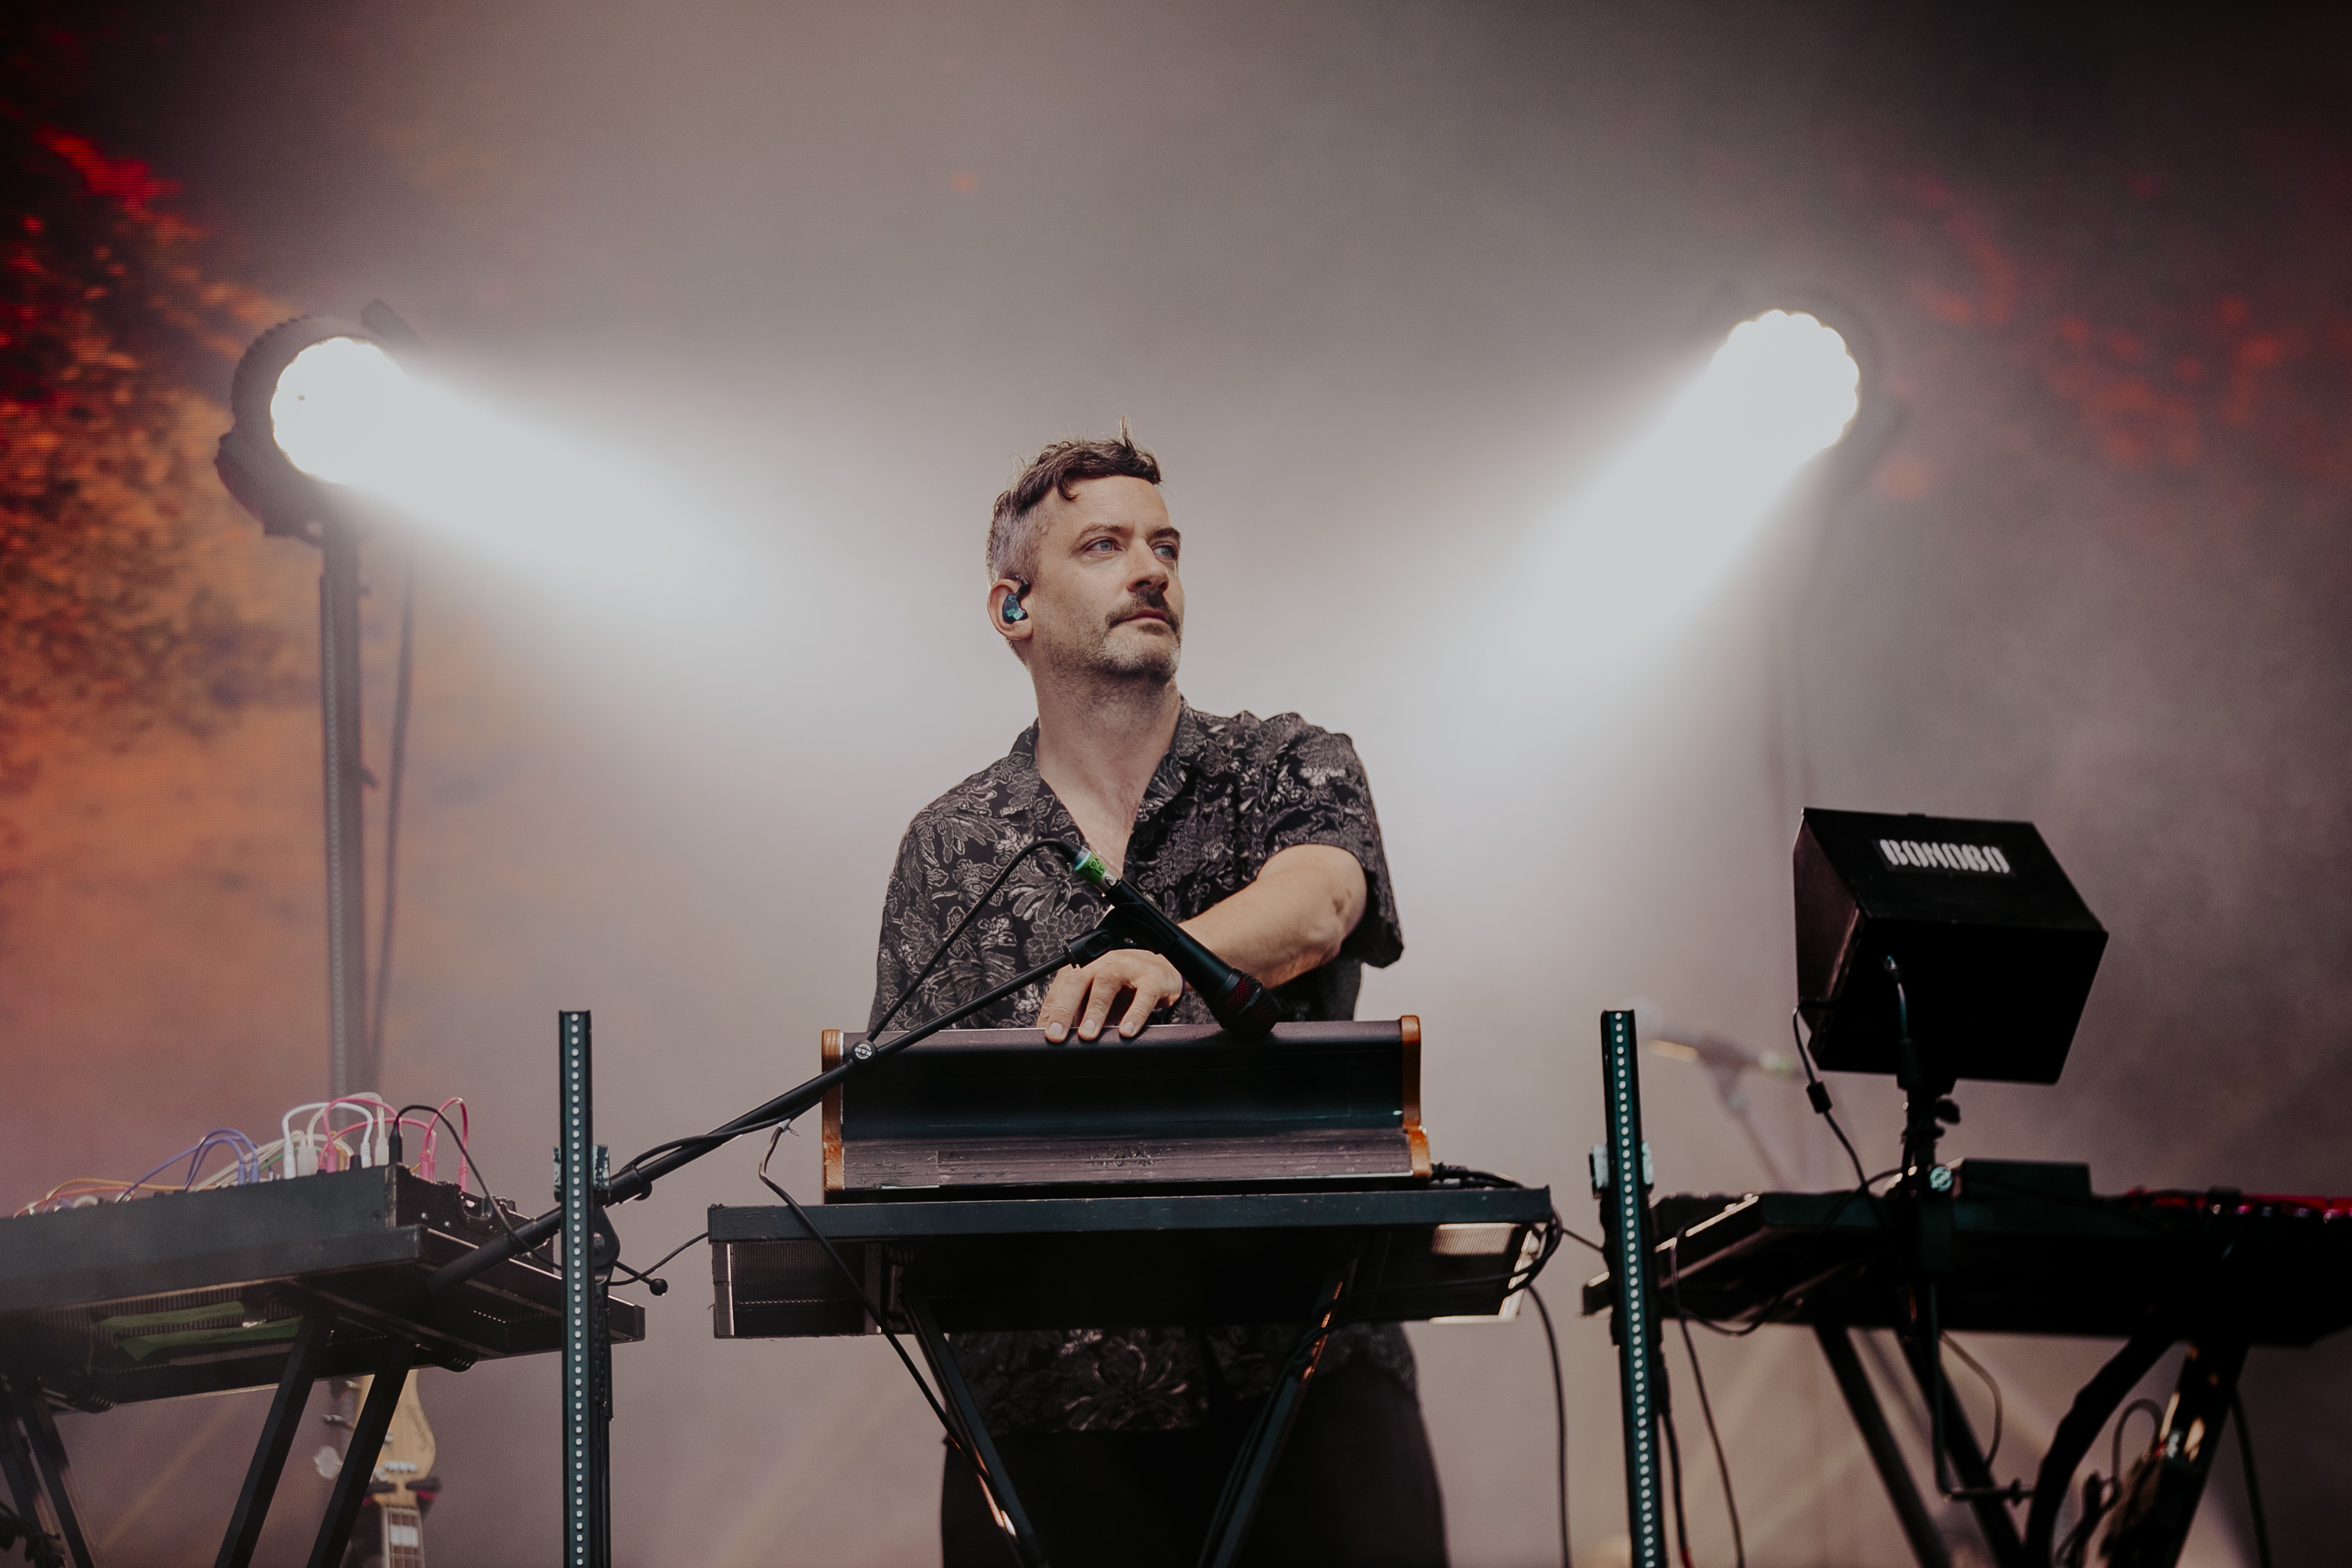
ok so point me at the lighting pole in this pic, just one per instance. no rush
(352, 1063)
(292, 503)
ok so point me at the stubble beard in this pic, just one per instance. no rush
(1148, 665)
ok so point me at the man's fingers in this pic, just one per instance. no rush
(1088, 996)
(1061, 999)
(1139, 1010)
(1104, 992)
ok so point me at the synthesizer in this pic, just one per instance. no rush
(1439, 1251)
(199, 1292)
(1177, 1107)
(2033, 1251)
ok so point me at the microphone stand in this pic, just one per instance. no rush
(636, 1179)
(585, 1194)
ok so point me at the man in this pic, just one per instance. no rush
(1259, 835)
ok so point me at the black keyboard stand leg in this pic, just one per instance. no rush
(49, 1453)
(38, 1477)
(2079, 1429)
(1254, 1466)
(2161, 1491)
(304, 1361)
(1969, 1464)
(359, 1465)
(16, 1470)
(995, 1480)
(1870, 1419)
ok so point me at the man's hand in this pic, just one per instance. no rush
(1088, 995)
(1297, 915)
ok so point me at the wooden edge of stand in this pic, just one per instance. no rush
(1409, 1031)
(829, 1050)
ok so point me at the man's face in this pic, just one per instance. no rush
(1107, 600)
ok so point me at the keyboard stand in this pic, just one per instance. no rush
(40, 1482)
(995, 1480)
(304, 1362)
(1253, 1466)
(2217, 1272)
(352, 1482)
(1008, 1263)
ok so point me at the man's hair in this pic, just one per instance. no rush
(1013, 526)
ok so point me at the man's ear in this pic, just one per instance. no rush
(1007, 614)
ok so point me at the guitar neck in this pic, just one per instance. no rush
(403, 1536)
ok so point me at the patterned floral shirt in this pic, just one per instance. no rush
(1229, 796)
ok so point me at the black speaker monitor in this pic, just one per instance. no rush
(1995, 949)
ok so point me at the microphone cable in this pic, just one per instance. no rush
(713, 1140)
(959, 1441)
(1559, 1421)
(964, 925)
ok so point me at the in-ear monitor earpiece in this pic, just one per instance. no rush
(1013, 613)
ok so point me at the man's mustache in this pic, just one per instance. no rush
(1144, 603)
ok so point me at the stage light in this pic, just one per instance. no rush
(1662, 524)
(341, 408)
(1786, 386)
(309, 400)
(317, 399)
(338, 422)
(1781, 390)
(336, 441)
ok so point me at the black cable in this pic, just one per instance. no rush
(1990, 1383)
(2098, 1498)
(711, 1139)
(498, 1210)
(1559, 1420)
(1817, 1094)
(392, 802)
(1517, 1278)
(857, 1288)
(1764, 1313)
(964, 925)
(714, 1140)
(957, 1440)
(2254, 1482)
(2116, 1439)
(2097, 1501)
(1471, 1178)
(645, 1276)
(1675, 1472)
(1722, 1466)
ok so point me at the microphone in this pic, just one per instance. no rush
(1236, 1000)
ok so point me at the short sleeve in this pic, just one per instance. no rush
(1315, 792)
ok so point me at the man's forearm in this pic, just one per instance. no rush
(1293, 918)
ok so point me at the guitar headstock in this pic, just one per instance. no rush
(408, 1448)
(404, 1461)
